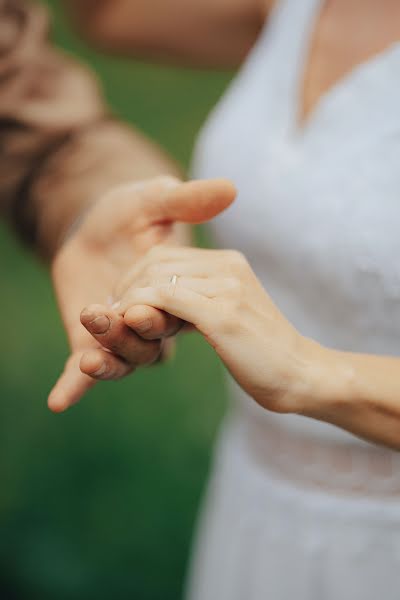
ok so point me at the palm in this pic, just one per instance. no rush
(80, 278)
(86, 270)
(115, 233)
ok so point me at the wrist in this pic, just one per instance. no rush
(71, 228)
(325, 385)
(93, 161)
(300, 382)
(62, 231)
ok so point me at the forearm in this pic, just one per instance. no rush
(357, 392)
(60, 149)
(196, 32)
(84, 168)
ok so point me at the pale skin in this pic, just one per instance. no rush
(86, 267)
(360, 393)
(218, 293)
(113, 234)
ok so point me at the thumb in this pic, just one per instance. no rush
(193, 201)
(70, 386)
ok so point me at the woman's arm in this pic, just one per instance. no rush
(357, 392)
(193, 32)
(283, 371)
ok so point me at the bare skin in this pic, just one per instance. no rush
(347, 33)
(348, 394)
(217, 292)
(194, 32)
(114, 234)
(356, 392)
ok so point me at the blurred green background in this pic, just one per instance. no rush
(100, 502)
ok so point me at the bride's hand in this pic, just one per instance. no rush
(217, 291)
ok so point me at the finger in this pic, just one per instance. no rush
(190, 202)
(163, 261)
(163, 200)
(210, 288)
(132, 200)
(151, 323)
(168, 349)
(110, 330)
(102, 365)
(70, 386)
(179, 301)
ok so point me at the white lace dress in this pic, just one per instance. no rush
(297, 509)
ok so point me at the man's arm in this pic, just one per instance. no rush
(67, 167)
(192, 32)
(60, 148)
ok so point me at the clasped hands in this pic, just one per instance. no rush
(127, 253)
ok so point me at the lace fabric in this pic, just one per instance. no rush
(329, 465)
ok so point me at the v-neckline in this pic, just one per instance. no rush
(299, 126)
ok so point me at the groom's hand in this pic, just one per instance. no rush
(114, 233)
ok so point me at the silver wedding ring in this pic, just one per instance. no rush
(173, 281)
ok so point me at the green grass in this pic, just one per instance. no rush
(100, 502)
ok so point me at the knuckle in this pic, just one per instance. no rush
(239, 259)
(239, 264)
(232, 254)
(234, 286)
(229, 317)
(235, 258)
(229, 255)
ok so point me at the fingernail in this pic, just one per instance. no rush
(100, 371)
(100, 324)
(144, 326)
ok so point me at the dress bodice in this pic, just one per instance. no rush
(318, 209)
